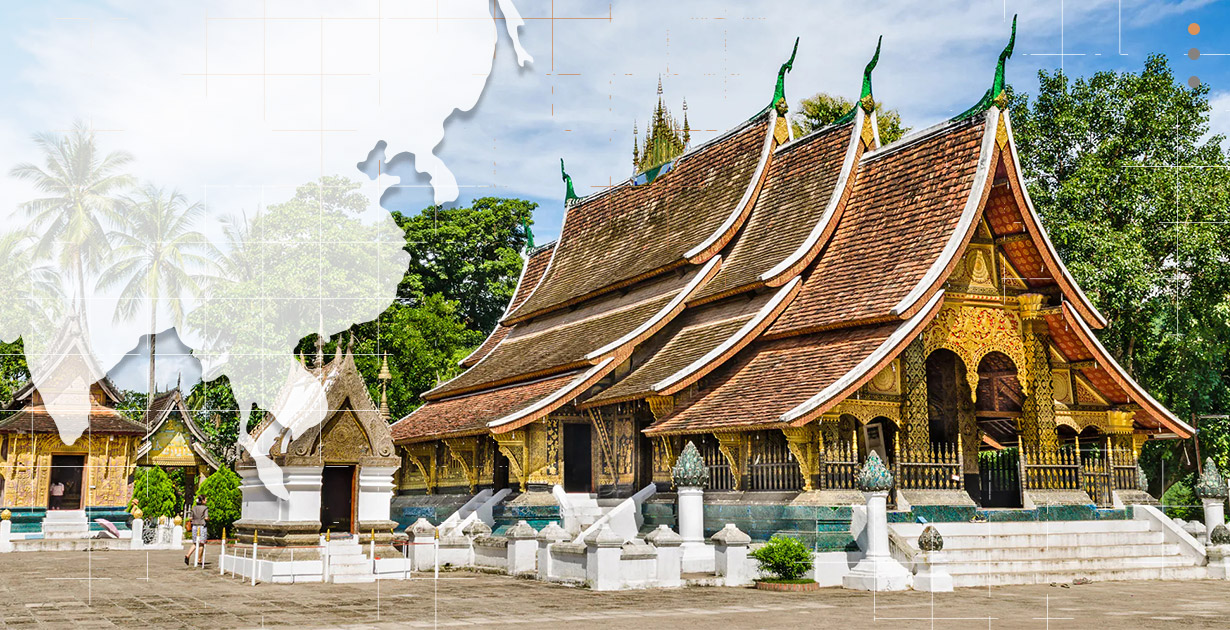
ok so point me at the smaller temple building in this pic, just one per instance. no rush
(173, 440)
(338, 474)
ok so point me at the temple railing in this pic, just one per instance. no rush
(771, 465)
(1125, 469)
(940, 468)
(838, 466)
(1043, 469)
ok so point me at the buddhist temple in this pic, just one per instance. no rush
(338, 474)
(45, 474)
(174, 440)
(790, 305)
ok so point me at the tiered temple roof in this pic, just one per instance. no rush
(773, 276)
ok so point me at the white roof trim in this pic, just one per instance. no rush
(747, 328)
(553, 397)
(847, 167)
(1033, 214)
(1109, 359)
(847, 379)
(972, 206)
(765, 152)
(663, 313)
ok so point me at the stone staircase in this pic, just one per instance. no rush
(348, 562)
(1040, 552)
(61, 524)
(587, 508)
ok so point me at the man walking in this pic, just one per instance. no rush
(200, 515)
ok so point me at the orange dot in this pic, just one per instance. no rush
(1193, 28)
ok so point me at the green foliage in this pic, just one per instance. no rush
(133, 406)
(784, 557)
(468, 255)
(822, 109)
(223, 498)
(1180, 500)
(1146, 239)
(13, 369)
(155, 493)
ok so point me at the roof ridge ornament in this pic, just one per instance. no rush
(865, 99)
(570, 195)
(779, 92)
(529, 235)
(996, 95)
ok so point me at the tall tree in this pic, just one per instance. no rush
(468, 255)
(1135, 193)
(156, 257)
(79, 183)
(822, 109)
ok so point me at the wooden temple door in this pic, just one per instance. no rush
(578, 459)
(337, 499)
(67, 483)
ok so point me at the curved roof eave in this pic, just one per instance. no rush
(1135, 391)
(826, 398)
(1043, 242)
(823, 229)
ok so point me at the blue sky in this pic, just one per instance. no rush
(595, 71)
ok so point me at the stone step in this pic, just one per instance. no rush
(337, 561)
(1045, 541)
(1047, 577)
(350, 569)
(1023, 527)
(1075, 565)
(1001, 554)
(353, 579)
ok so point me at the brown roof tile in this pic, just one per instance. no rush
(796, 192)
(36, 419)
(773, 377)
(463, 415)
(631, 232)
(563, 339)
(903, 209)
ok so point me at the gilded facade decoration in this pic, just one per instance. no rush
(916, 428)
(887, 381)
(975, 272)
(665, 451)
(513, 446)
(343, 441)
(867, 410)
(804, 444)
(733, 447)
(661, 406)
(1038, 413)
(972, 332)
(1062, 386)
(109, 462)
(464, 451)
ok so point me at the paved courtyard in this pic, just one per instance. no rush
(154, 590)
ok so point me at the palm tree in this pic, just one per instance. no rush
(79, 184)
(156, 256)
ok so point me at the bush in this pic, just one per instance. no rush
(223, 498)
(1180, 501)
(153, 491)
(784, 557)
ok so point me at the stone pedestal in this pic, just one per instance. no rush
(697, 557)
(6, 535)
(61, 524)
(1219, 562)
(138, 529)
(932, 577)
(549, 535)
(522, 548)
(1214, 515)
(670, 557)
(877, 571)
(603, 549)
(730, 555)
(422, 536)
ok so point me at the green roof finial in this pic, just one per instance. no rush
(529, 235)
(994, 96)
(871, 65)
(865, 99)
(779, 93)
(570, 195)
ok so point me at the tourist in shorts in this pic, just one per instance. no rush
(200, 515)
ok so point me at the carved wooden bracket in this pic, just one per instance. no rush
(424, 458)
(803, 445)
(731, 447)
(661, 406)
(512, 445)
(463, 451)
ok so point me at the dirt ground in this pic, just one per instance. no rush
(155, 590)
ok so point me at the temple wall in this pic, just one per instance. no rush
(26, 467)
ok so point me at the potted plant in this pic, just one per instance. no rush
(787, 560)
